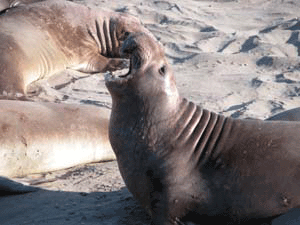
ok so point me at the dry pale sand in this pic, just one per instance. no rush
(239, 58)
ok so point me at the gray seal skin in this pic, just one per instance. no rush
(40, 39)
(37, 137)
(186, 164)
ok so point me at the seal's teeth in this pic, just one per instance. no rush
(120, 73)
(117, 77)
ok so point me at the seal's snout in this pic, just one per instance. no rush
(132, 48)
(128, 46)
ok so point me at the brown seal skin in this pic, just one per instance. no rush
(187, 164)
(40, 39)
(37, 137)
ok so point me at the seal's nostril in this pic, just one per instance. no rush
(136, 61)
(162, 70)
(126, 34)
(128, 47)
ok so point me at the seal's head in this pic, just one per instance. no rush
(150, 77)
(127, 24)
(124, 25)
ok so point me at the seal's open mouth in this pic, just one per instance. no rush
(121, 76)
(132, 48)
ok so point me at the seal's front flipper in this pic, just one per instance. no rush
(101, 64)
(10, 187)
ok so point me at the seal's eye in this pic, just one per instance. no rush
(162, 70)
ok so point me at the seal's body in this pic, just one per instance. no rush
(184, 163)
(38, 137)
(40, 39)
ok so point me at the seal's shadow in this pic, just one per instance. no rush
(62, 208)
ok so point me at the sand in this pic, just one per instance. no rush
(239, 58)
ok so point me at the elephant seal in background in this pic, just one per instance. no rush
(38, 137)
(187, 164)
(40, 39)
(5, 4)
(288, 115)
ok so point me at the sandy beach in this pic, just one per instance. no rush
(238, 58)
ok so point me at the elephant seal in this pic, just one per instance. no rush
(187, 164)
(40, 39)
(38, 137)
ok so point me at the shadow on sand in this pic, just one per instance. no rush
(43, 207)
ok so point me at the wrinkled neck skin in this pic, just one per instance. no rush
(198, 131)
(165, 121)
(108, 30)
(103, 30)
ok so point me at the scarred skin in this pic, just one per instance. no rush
(184, 163)
(40, 39)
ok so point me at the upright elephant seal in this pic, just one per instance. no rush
(39, 137)
(186, 164)
(40, 39)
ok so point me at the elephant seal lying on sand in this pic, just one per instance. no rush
(40, 39)
(38, 137)
(186, 164)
